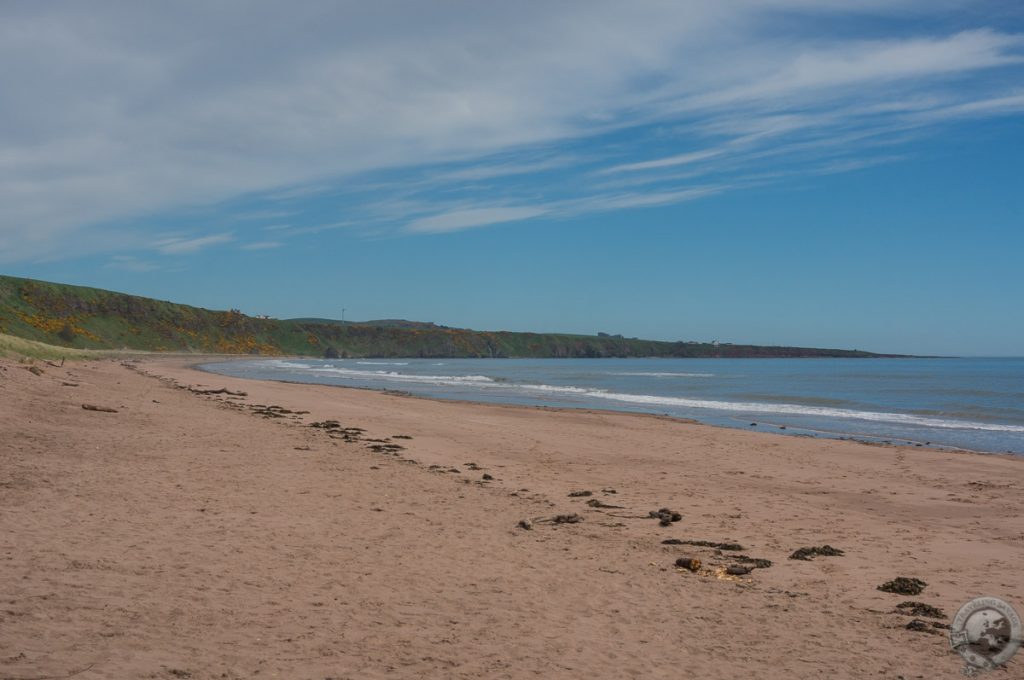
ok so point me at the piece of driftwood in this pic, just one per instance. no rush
(101, 409)
(738, 570)
(691, 563)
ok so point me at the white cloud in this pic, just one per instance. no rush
(112, 112)
(671, 161)
(183, 246)
(457, 220)
(262, 245)
(131, 263)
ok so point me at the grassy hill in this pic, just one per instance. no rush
(90, 318)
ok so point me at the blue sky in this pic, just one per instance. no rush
(779, 172)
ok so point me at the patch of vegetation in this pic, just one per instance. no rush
(89, 318)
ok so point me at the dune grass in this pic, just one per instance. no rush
(20, 349)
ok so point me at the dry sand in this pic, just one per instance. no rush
(188, 536)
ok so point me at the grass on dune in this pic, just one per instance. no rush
(20, 349)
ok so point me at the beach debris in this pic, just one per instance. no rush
(689, 563)
(756, 562)
(921, 626)
(703, 544)
(487, 478)
(69, 384)
(902, 585)
(608, 491)
(595, 503)
(222, 390)
(665, 516)
(911, 608)
(269, 411)
(386, 448)
(525, 524)
(400, 436)
(809, 553)
(572, 518)
(580, 494)
(101, 409)
(472, 466)
(326, 424)
(34, 370)
(303, 448)
(738, 570)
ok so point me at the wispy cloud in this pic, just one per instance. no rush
(131, 263)
(115, 117)
(457, 220)
(262, 245)
(182, 246)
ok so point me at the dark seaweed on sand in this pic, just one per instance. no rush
(703, 544)
(912, 608)
(810, 553)
(903, 585)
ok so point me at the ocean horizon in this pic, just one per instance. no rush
(974, 404)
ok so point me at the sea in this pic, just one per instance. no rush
(970, 404)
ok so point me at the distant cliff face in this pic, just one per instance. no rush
(89, 318)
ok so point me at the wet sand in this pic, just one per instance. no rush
(220, 536)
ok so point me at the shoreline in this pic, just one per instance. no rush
(781, 430)
(195, 534)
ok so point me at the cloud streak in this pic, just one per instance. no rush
(114, 116)
(185, 246)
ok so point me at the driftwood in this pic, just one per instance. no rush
(691, 563)
(61, 364)
(738, 570)
(101, 409)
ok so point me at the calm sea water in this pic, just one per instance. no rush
(973, 404)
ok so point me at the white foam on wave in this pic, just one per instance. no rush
(558, 388)
(390, 376)
(797, 409)
(653, 400)
(383, 363)
(666, 374)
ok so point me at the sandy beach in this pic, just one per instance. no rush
(192, 535)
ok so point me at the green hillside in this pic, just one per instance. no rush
(90, 318)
